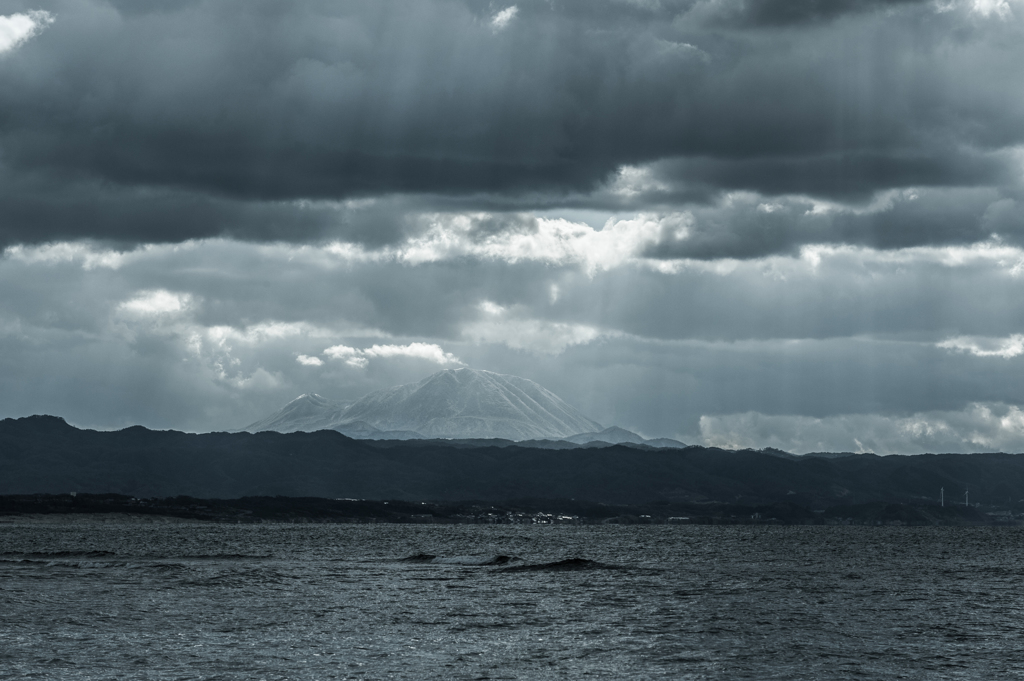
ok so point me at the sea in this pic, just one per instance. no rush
(132, 600)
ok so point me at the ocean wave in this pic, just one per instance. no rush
(484, 560)
(222, 556)
(51, 555)
(569, 564)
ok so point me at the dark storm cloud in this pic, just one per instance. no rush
(850, 176)
(776, 13)
(751, 226)
(156, 121)
(34, 209)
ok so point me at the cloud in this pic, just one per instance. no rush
(141, 124)
(977, 428)
(741, 225)
(360, 358)
(15, 29)
(501, 325)
(1006, 348)
(853, 176)
(502, 18)
(1000, 8)
(307, 361)
(66, 252)
(787, 13)
(928, 293)
(157, 302)
(556, 241)
(428, 351)
(350, 356)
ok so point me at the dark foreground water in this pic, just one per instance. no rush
(138, 601)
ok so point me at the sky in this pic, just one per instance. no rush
(742, 223)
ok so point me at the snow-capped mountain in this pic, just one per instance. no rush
(454, 403)
(466, 403)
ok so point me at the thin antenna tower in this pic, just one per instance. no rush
(942, 497)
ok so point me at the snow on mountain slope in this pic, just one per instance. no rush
(466, 403)
(308, 412)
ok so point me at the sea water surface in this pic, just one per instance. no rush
(208, 601)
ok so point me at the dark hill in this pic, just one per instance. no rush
(43, 454)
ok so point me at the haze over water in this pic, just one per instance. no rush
(189, 601)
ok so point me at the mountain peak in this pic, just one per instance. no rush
(309, 398)
(460, 376)
(37, 425)
(451, 403)
(471, 403)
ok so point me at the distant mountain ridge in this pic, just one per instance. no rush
(620, 436)
(43, 454)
